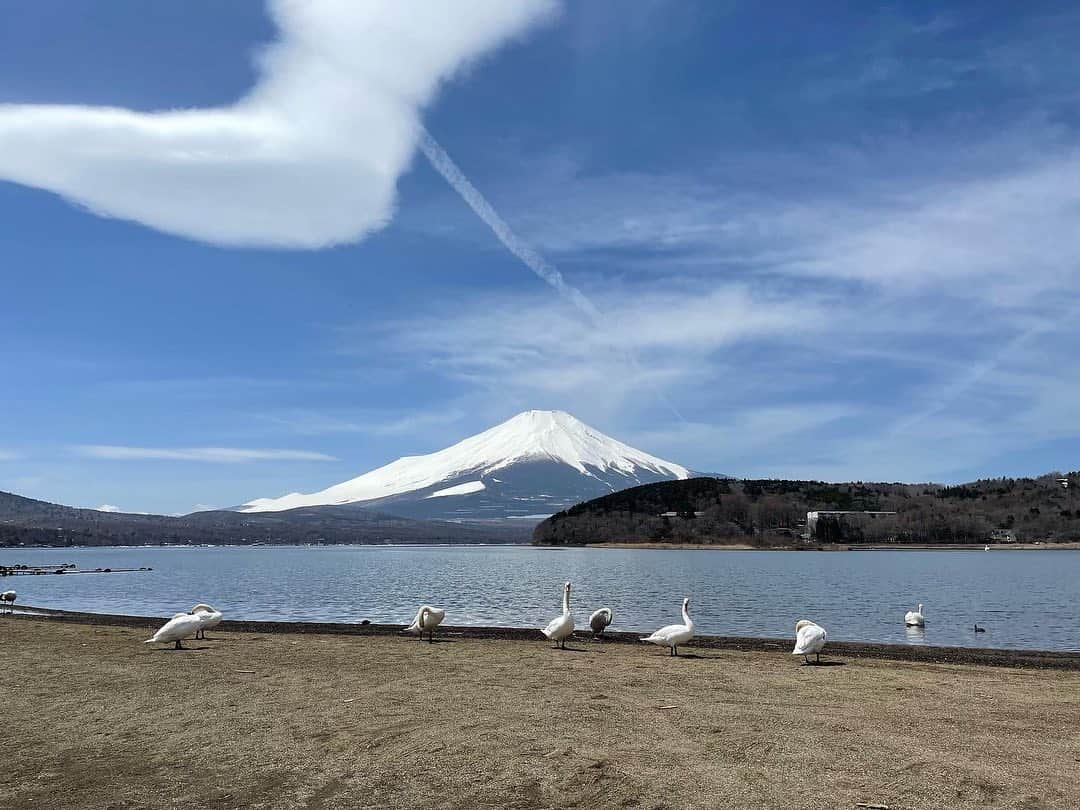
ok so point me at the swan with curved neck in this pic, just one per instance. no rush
(599, 621)
(809, 640)
(427, 618)
(914, 618)
(176, 629)
(211, 618)
(561, 627)
(674, 634)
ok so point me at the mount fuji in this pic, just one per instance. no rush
(535, 464)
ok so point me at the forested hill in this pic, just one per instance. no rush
(774, 512)
(29, 522)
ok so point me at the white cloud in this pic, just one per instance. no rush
(309, 157)
(215, 455)
(907, 216)
(372, 423)
(1014, 235)
(108, 507)
(931, 294)
(655, 340)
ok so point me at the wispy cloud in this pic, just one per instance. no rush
(375, 423)
(214, 455)
(902, 316)
(309, 157)
(9, 455)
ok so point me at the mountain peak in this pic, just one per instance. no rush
(530, 436)
(543, 420)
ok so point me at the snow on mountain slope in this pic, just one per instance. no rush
(460, 489)
(532, 437)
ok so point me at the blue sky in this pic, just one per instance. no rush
(836, 242)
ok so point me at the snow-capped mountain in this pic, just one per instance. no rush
(527, 468)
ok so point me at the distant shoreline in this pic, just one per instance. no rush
(835, 547)
(926, 653)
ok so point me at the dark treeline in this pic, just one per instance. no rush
(774, 512)
(28, 522)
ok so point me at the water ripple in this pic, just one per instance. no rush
(1024, 599)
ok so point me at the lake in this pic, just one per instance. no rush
(1024, 599)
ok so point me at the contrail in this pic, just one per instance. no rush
(976, 374)
(442, 163)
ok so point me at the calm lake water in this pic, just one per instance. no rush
(1025, 599)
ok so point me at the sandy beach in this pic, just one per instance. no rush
(96, 719)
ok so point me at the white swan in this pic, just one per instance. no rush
(8, 598)
(914, 618)
(427, 618)
(561, 627)
(674, 634)
(178, 627)
(600, 620)
(809, 639)
(210, 618)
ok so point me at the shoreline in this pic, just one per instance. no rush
(95, 718)
(832, 547)
(977, 656)
(1033, 546)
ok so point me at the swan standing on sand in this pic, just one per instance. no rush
(809, 638)
(560, 628)
(599, 621)
(427, 618)
(178, 627)
(674, 634)
(914, 618)
(8, 598)
(210, 618)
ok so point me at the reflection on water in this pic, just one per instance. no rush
(1024, 599)
(916, 635)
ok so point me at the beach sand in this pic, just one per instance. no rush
(92, 718)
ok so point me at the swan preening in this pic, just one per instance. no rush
(599, 621)
(561, 627)
(8, 598)
(914, 618)
(211, 618)
(809, 639)
(193, 623)
(427, 618)
(674, 634)
(177, 628)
